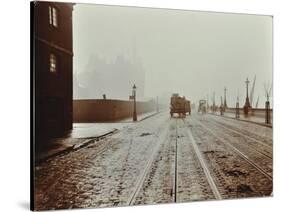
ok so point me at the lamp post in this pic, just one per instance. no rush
(221, 107)
(224, 104)
(237, 112)
(247, 105)
(135, 106)
(267, 109)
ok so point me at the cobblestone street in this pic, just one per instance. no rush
(161, 160)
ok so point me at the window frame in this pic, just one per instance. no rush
(53, 63)
(53, 16)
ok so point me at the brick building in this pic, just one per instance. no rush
(52, 67)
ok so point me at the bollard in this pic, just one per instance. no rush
(252, 112)
(221, 111)
(267, 112)
(246, 111)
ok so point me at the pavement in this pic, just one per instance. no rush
(81, 135)
(250, 119)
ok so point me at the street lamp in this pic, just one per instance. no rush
(247, 103)
(135, 106)
(237, 112)
(221, 107)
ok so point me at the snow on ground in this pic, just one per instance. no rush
(86, 130)
(103, 174)
(82, 132)
(111, 170)
(246, 127)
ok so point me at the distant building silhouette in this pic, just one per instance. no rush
(53, 53)
(115, 79)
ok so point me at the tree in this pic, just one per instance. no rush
(267, 90)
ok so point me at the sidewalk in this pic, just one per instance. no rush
(92, 130)
(251, 119)
(81, 135)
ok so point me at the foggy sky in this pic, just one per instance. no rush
(186, 52)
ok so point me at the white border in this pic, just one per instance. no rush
(15, 102)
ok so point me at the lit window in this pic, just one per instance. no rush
(50, 15)
(53, 16)
(53, 63)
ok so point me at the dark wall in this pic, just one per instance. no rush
(53, 91)
(60, 36)
(107, 110)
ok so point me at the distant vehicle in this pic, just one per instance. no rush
(202, 106)
(179, 105)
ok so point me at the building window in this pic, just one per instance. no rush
(53, 63)
(53, 16)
